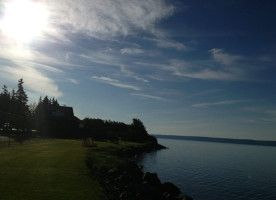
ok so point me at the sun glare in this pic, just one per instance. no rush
(23, 20)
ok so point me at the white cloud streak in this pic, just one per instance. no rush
(72, 80)
(224, 58)
(204, 93)
(132, 51)
(170, 44)
(146, 96)
(131, 74)
(114, 82)
(218, 103)
(208, 74)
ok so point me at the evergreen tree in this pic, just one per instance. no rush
(138, 130)
(4, 105)
(21, 96)
(22, 108)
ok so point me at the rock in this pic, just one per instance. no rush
(123, 195)
(166, 195)
(171, 189)
(112, 171)
(140, 167)
(151, 178)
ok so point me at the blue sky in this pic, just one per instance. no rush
(201, 68)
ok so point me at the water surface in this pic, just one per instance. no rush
(207, 170)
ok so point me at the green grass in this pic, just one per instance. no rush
(50, 169)
(103, 156)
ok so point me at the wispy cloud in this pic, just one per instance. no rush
(114, 82)
(205, 93)
(166, 43)
(146, 96)
(132, 51)
(101, 58)
(105, 18)
(203, 70)
(72, 80)
(224, 58)
(170, 44)
(35, 81)
(131, 74)
(208, 74)
(218, 103)
(264, 114)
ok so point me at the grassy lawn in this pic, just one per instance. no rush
(50, 169)
(104, 157)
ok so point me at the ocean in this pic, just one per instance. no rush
(208, 170)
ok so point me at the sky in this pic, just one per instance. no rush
(184, 67)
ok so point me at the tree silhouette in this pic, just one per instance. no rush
(21, 106)
(4, 105)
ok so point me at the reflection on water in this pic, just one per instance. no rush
(206, 170)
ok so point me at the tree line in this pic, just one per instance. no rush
(14, 108)
(15, 112)
(112, 130)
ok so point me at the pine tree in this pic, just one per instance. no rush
(22, 108)
(4, 105)
(21, 95)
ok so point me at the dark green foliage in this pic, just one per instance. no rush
(138, 131)
(53, 120)
(13, 107)
(21, 107)
(5, 105)
(110, 130)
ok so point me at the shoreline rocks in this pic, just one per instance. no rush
(131, 183)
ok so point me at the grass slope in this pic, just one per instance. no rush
(52, 169)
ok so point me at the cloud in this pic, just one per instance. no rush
(72, 80)
(101, 58)
(265, 58)
(131, 51)
(114, 82)
(224, 58)
(208, 74)
(132, 74)
(264, 114)
(218, 103)
(146, 96)
(105, 18)
(34, 80)
(170, 44)
(205, 93)
(203, 70)
(165, 43)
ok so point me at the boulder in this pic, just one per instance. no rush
(151, 178)
(123, 195)
(112, 171)
(171, 189)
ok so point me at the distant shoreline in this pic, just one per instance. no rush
(219, 140)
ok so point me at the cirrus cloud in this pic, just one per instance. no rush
(114, 82)
(224, 58)
(34, 80)
(105, 18)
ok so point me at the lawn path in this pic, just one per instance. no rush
(53, 170)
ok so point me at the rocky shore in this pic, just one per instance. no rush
(130, 182)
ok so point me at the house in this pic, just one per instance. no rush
(60, 112)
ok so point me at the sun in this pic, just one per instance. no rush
(23, 20)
